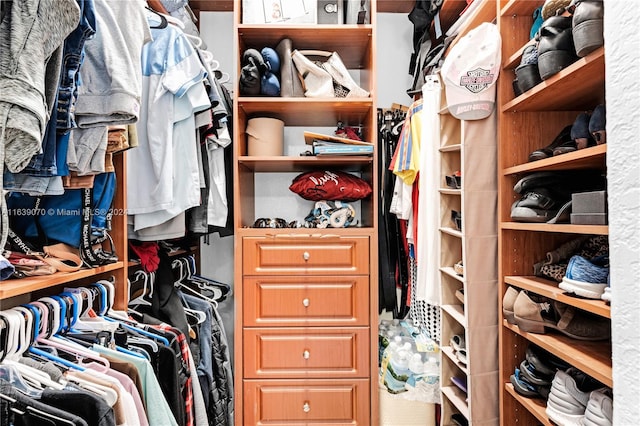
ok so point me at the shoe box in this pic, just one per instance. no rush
(589, 208)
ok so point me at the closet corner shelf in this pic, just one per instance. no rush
(450, 148)
(308, 112)
(564, 228)
(550, 289)
(451, 231)
(452, 273)
(457, 398)
(457, 313)
(591, 357)
(299, 164)
(588, 158)
(448, 191)
(450, 353)
(17, 287)
(348, 40)
(570, 89)
(535, 406)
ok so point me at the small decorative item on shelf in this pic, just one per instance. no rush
(265, 137)
(325, 75)
(331, 214)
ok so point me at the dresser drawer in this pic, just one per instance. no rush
(312, 402)
(305, 255)
(306, 352)
(315, 300)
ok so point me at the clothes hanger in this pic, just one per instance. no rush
(163, 19)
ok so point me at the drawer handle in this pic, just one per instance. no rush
(306, 302)
(306, 354)
(306, 255)
(306, 407)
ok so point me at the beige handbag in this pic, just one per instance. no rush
(326, 77)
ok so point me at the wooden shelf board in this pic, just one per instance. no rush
(452, 273)
(564, 228)
(16, 287)
(285, 233)
(451, 354)
(385, 6)
(535, 406)
(315, 112)
(450, 148)
(457, 398)
(570, 89)
(350, 41)
(298, 164)
(593, 358)
(520, 8)
(451, 231)
(550, 289)
(449, 191)
(514, 60)
(588, 158)
(456, 312)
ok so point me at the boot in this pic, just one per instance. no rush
(290, 85)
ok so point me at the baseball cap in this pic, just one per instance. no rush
(470, 71)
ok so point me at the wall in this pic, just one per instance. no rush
(622, 46)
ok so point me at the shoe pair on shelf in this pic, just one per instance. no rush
(577, 399)
(587, 130)
(533, 313)
(259, 73)
(459, 346)
(534, 375)
(562, 39)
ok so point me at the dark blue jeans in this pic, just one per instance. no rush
(52, 160)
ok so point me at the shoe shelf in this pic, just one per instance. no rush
(451, 231)
(456, 312)
(457, 398)
(591, 357)
(571, 89)
(450, 353)
(528, 122)
(452, 273)
(448, 191)
(535, 406)
(550, 289)
(560, 227)
(450, 148)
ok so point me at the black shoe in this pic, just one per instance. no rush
(527, 72)
(588, 18)
(580, 131)
(561, 144)
(556, 50)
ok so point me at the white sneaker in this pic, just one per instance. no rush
(569, 397)
(599, 410)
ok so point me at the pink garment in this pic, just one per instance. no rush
(128, 385)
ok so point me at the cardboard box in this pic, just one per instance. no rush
(588, 218)
(279, 12)
(589, 202)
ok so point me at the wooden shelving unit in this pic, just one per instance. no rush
(533, 119)
(305, 298)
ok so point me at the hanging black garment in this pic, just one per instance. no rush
(421, 16)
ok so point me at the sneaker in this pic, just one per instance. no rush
(599, 410)
(586, 278)
(569, 396)
(606, 295)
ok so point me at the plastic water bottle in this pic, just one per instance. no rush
(431, 371)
